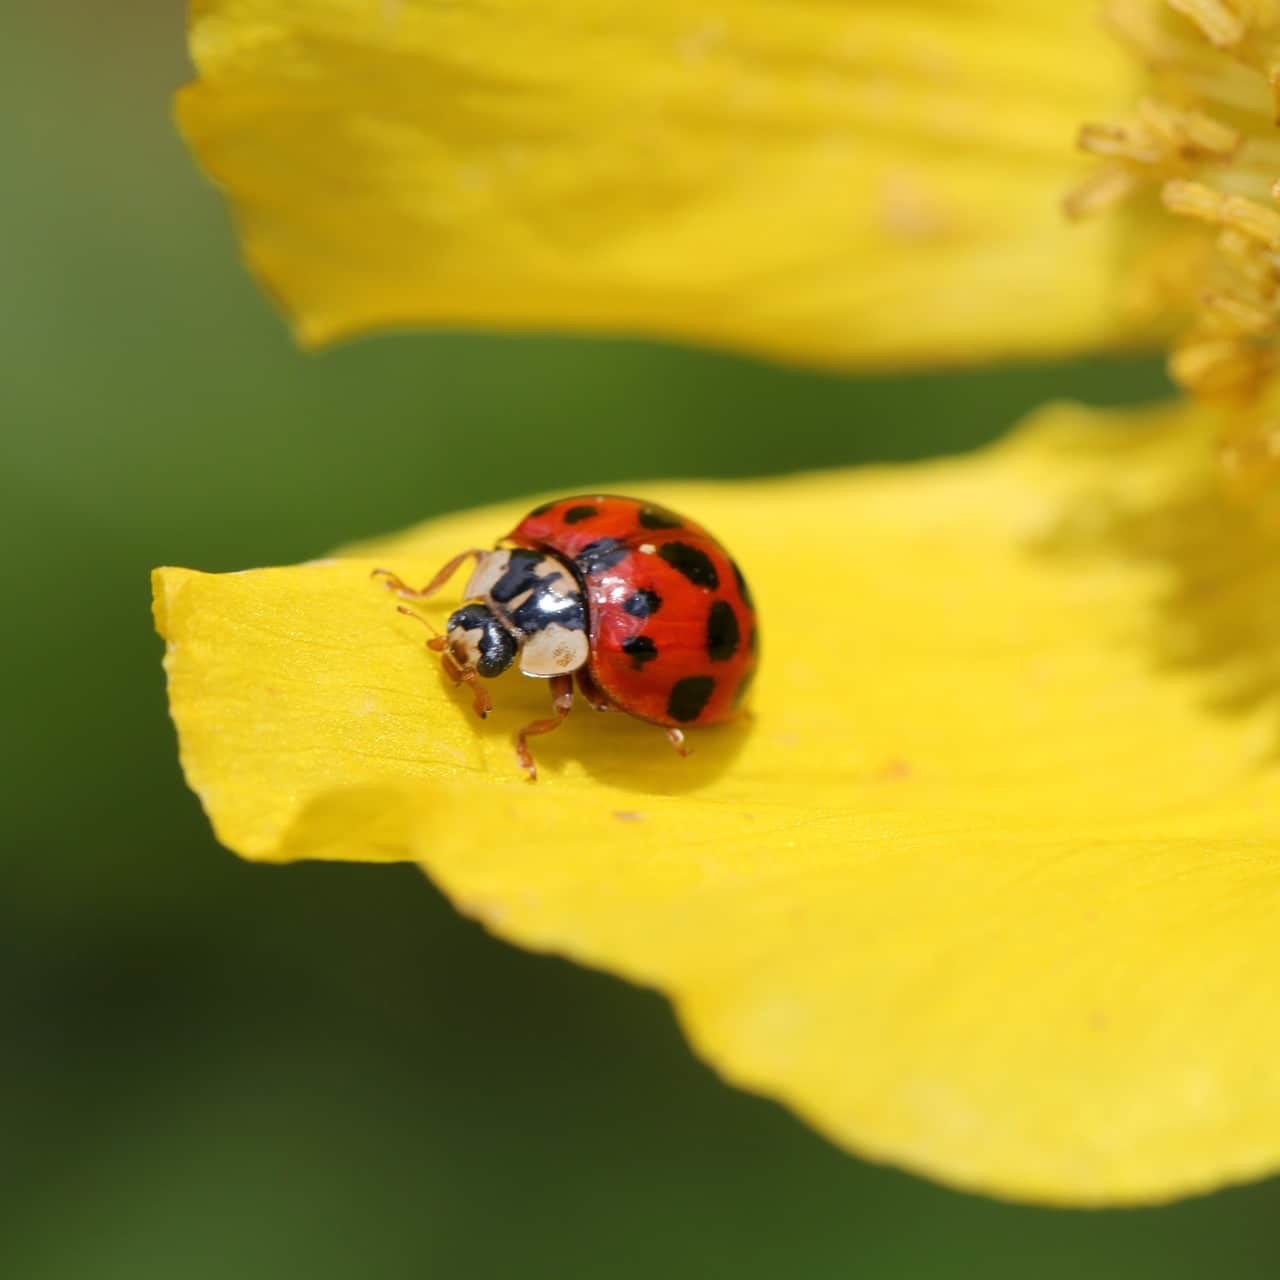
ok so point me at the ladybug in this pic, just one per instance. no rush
(645, 609)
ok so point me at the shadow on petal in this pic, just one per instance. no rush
(1216, 608)
(611, 747)
(634, 756)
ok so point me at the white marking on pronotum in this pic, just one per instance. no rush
(553, 651)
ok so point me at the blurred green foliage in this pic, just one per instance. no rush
(212, 1069)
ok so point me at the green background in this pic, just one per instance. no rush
(211, 1069)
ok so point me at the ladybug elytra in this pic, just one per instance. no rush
(645, 609)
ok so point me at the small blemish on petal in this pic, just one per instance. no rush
(628, 815)
(896, 771)
(703, 40)
(910, 210)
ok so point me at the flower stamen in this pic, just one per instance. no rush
(1204, 139)
(1221, 25)
(1238, 213)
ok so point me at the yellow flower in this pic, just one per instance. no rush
(988, 891)
(835, 182)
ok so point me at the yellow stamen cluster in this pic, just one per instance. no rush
(1206, 139)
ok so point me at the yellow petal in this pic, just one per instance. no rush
(988, 884)
(831, 182)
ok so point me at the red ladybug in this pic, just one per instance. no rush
(645, 607)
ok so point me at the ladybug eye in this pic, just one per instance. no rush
(479, 641)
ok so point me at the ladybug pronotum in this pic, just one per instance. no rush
(645, 609)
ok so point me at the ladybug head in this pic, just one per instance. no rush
(479, 642)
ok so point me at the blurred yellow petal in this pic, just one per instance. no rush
(835, 182)
(987, 886)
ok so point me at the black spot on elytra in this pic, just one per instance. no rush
(722, 632)
(743, 590)
(688, 697)
(640, 649)
(642, 603)
(542, 510)
(600, 555)
(694, 563)
(658, 518)
(574, 514)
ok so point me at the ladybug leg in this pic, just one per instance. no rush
(481, 701)
(592, 691)
(561, 701)
(676, 738)
(406, 592)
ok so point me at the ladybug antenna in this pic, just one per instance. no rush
(437, 641)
